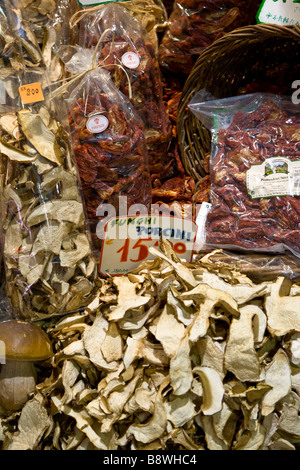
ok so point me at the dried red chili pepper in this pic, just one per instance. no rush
(195, 24)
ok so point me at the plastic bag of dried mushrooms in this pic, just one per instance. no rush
(48, 261)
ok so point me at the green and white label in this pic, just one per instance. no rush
(276, 176)
(280, 12)
(91, 3)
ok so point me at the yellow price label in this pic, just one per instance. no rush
(31, 93)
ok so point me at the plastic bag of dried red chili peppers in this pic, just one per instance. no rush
(125, 49)
(195, 24)
(255, 172)
(110, 149)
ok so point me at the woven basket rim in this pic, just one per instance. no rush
(253, 33)
(246, 36)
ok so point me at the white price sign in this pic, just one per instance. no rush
(280, 12)
(127, 241)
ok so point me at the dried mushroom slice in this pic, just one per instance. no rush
(240, 355)
(237, 387)
(34, 422)
(156, 426)
(278, 376)
(39, 135)
(207, 299)
(213, 390)
(282, 309)
(127, 298)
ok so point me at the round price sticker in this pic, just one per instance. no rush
(131, 60)
(97, 124)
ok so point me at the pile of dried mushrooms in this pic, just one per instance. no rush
(171, 356)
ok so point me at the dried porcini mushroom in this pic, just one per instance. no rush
(122, 384)
(282, 309)
(25, 344)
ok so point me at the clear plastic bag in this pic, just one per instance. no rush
(110, 149)
(260, 267)
(48, 260)
(151, 14)
(255, 172)
(49, 24)
(127, 52)
(195, 24)
(38, 12)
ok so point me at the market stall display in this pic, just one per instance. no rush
(169, 376)
(180, 353)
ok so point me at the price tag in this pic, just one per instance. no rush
(201, 221)
(127, 241)
(97, 124)
(31, 93)
(280, 12)
(131, 60)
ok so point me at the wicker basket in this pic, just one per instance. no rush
(231, 62)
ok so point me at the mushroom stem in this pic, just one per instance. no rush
(17, 381)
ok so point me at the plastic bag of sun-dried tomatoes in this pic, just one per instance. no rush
(110, 150)
(195, 24)
(255, 172)
(119, 43)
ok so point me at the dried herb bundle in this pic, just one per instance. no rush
(171, 356)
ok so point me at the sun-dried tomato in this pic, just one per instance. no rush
(195, 24)
(255, 220)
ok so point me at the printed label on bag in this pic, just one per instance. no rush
(280, 12)
(127, 241)
(131, 60)
(91, 3)
(276, 176)
(31, 93)
(97, 124)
